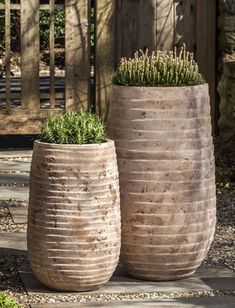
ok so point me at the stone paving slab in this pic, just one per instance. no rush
(19, 214)
(198, 302)
(15, 153)
(22, 166)
(122, 283)
(14, 178)
(14, 193)
(212, 271)
(13, 243)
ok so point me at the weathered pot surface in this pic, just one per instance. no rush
(166, 165)
(74, 215)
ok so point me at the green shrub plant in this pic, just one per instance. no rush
(161, 68)
(7, 302)
(73, 128)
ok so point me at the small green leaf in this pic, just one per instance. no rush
(7, 302)
(73, 128)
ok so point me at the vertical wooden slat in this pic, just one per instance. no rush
(147, 24)
(8, 54)
(104, 53)
(130, 27)
(30, 55)
(206, 47)
(185, 23)
(165, 24)
(52, 54)
(77, 55)
(193, 46)
(118, 32)
(135, 26)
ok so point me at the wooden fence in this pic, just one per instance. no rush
(122, 27)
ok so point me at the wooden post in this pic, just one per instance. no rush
(8, 54)
(104, 53)
(147, 24)
(52, 54)
(77, 68)
(118, 32)
(128, 19)
(165, 24)
(185, 24)
(206, 47)
(30, 55)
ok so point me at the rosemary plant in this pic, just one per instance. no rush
(73, 128)
(161, 68)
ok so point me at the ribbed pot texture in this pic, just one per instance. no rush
(166, 168)
(74, 215)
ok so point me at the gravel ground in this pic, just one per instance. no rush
(6, 222)
(223, 246)
(10, 282)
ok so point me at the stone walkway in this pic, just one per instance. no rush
(19, 215)
(14, 174)
(14, 178)
(209, 302)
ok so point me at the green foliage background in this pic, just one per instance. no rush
(44, 18)
(44, 26)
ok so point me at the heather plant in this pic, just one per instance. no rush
(161, 68)
(73, 128)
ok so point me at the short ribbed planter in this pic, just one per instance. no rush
(166, 165)
(74, 215)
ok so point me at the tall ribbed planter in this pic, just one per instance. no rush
(166, 165)
(74, 215)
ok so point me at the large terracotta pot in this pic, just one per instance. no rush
(74, 215)
(166, 165)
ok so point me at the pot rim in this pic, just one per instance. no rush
(105, 144)
(167, 87)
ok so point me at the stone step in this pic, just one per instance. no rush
(16, 153)
(121, 282)
(197, 302)
(14, 193)
(13, 166)
(14, 178)
(12, 243)
(19, 214)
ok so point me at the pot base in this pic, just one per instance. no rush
(161, 278)
(73, 289)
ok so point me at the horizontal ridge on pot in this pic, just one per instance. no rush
(74, 215)
(167, 178)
